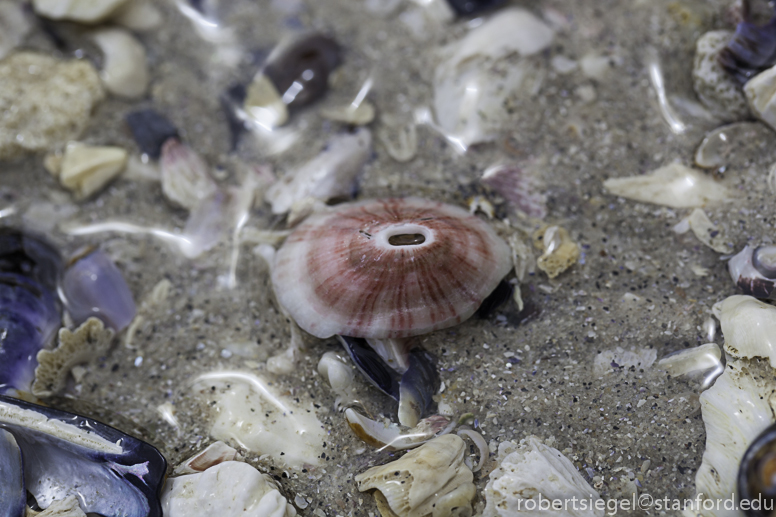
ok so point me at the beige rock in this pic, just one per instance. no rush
(559, 251)
(84, 11)
(715, 88)
(51, 99)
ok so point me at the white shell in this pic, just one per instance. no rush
(704, 230)
(89, 341)
(330, 174)
(693, 359)
(185, 178)
(86, 169)
(473, 80)
(760, 91)
(67, 507)
(735, 410)
(673, 185)
(715, 88)
(339, 376)
(431, 480)
(229, 489)
(85, 11)
(531, 470)
(749, 327)
(14, 26)
(250, 413)
(124, 70)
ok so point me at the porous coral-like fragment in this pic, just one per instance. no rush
(559, 251)
(44, 102)
(431, 480)
(87, 342)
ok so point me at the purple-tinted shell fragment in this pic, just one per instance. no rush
(29, 308)
(94, 286)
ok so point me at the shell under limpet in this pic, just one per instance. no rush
(431, 480)
(559, 251)
(388, 268)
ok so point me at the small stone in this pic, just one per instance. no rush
(715, 88)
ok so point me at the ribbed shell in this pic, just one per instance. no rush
(337, 273)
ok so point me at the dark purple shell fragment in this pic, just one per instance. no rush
(299, 69)
(469, 7)
(123, 482)
(151, 130)
(751, 50)
(30, 312)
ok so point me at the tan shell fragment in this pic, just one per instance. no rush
(86, 169)
(124, 70)
(431, 480)
(44, 102)
(67, 507)
(87, 342)
(559, 251)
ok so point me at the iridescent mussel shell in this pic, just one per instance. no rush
(751, 50)
(390, 268)
(754, 271)
(29, 308)
(757, 475)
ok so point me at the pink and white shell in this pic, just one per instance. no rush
(342, 272)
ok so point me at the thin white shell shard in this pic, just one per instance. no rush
(330, 174)
(530, 471)
(229, 489)
(674, 185)
(338, 273)
(430, 480)
(749, 327)
(735, 411)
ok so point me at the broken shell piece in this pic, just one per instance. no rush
(14, 26)
(430, 480)
(185, 178)
(693, 359)
(229, 489)
(111, 473)
(559, 251)
(754, 270)
(124, 69)
(360, 115)
(749, 327)
(84, 11)
(720, 93)
(717, 146)
(339, 376)
(519, 187)
(532, 471)
(735, 411)
(330, 174)
(446, 261)
(760, 92)
(86, 169)
(67, 507)
(214, 454)
(52, 101)
(93, 286)
(674, 185)
(474, 79)
(89, 341)
(400, 140)
(251, 413)
(704, 230)
(385, 435)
